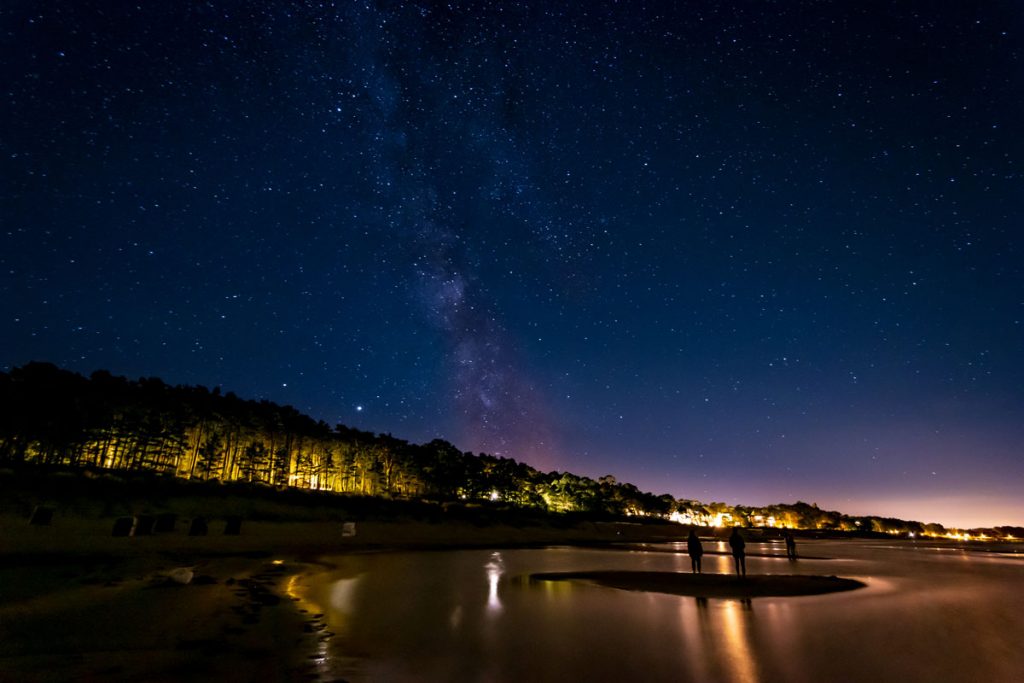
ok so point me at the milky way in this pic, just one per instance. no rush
(421, 174)
(746, 251)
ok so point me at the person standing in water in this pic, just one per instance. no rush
(739, 554)
(695, 550)
(790, 545)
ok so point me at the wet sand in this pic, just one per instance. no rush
(123, 621)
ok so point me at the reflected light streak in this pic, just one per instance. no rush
(340, 600)
(559, 590)
(738, 654)
(291, 588)
(495, 568)
(782, 623)
(697, 636)
(342, 593)
(455, 618)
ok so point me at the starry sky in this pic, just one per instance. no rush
(750, 252)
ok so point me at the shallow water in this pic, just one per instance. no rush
(927, 615)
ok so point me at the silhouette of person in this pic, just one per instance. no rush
(790, 545)
(695, 550)
(739, 554)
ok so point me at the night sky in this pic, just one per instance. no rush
(751, 252)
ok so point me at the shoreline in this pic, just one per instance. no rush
(71, 538)
(231, 622)
(76, 602)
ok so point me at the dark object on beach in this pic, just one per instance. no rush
(143, 525)
(42, 515)
(123, 526)
(198, 527)
(695, 550)
(739, 553)
(232, 525)
(709, 585)
(790, 545)
(165, 523)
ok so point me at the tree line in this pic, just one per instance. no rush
(56, 417)
(53, 416)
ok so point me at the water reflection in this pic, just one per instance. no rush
(466, 616)
(495, 567)
(697, 636)
(342, 595)
(340, 605)
(455, 619)
(716, 639)
(738, 655)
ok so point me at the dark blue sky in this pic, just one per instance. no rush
(752, 252)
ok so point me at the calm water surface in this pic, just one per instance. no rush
(927, 615)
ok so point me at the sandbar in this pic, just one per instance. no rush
(710, 585)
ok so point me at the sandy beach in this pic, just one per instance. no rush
(78, 604)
